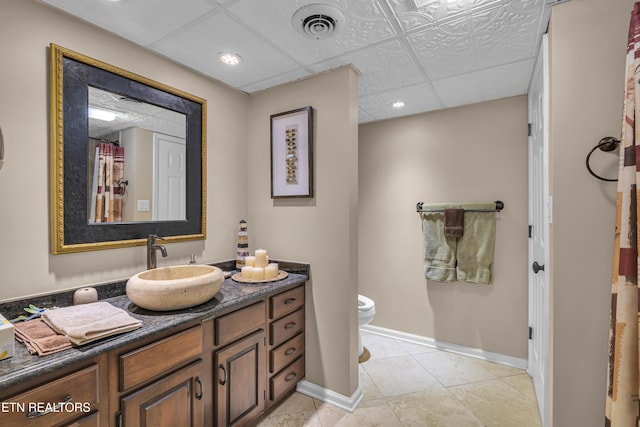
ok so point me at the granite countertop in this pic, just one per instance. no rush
(24, 366)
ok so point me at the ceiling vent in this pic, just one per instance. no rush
(318, 21)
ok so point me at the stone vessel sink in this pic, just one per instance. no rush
(175, 287)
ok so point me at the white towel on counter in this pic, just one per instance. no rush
(85, 323)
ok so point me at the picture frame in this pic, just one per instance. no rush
(292, 153)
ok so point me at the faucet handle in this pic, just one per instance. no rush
(153, 238)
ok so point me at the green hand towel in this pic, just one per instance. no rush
(476, 246)
(439, 251)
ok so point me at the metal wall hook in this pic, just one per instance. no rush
(608, 143)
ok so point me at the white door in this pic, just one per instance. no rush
(170, 179)
(539, 220)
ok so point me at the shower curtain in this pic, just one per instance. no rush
(109, 193)
(622, 407)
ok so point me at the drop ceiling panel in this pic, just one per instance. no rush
(493, 83)
(417, 99)
(365, 24)
(382, 67)
(141, 21)
(199, 45)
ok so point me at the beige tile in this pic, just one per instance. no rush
(369, 389)
(523, 383)
(452, 369)
(295, 419)
(433, 408)
(498, 405)
(400, 375)
(381, 347)
(297, 402)
(500, 370)
(370, 416)
(413, 348)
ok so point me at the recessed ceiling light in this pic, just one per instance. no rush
(398, 104)
(229, 58)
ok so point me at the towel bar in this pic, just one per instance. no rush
(499, 207)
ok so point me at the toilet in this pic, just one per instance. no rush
(366, 311)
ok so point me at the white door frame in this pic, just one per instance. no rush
(540, 218)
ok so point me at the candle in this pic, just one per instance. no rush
(249, 261)
(247, 272)
(257, 273)
(271, 271)
(261, 258)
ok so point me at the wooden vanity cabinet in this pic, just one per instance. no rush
(162, 384)
(73, 398)
(239, 366)
(286, 343)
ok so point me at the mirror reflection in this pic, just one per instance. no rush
(136, 160)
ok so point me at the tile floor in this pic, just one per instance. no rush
(407, 384)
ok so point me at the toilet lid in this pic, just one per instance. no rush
(365, 303)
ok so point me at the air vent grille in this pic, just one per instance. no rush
(318, 21)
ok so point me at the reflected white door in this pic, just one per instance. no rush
(539, 220)
(170, 178)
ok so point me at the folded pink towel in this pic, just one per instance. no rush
(89, 322)
(39, 338)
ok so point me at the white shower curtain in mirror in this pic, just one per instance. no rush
(622, 407)
(108, 191)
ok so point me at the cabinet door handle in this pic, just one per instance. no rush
(290, 351)
(56, 408)
(290, 325)
(291, 376)
(223, 379)
(289, 301)
(199, 393)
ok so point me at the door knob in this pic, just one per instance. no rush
(537, 267)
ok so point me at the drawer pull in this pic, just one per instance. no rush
(291, 376)
(290, 325)
(199, 393)
(223, 379)
(36, 414)
(289, 301)
(290, 351)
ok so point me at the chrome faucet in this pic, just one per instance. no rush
(152, 247)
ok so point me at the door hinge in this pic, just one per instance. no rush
(119, 419)
(265, 395)
(530, 230)
(265, 341)
(530, 332)
(529, 132)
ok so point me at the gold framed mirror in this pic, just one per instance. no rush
(128, 157)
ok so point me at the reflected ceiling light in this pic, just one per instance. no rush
(104, 115)
(229, 58)
(398, 104)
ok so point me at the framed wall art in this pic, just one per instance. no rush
(292, 153)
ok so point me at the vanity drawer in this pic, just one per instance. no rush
(286, 380)
(58, 402)
(286, 353)
(285, 328)
(239, 323)
(286, 302)
(145, 363)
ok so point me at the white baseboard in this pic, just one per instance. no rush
(348, 403)
(445, 346)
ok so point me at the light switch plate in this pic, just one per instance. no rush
(143, 206)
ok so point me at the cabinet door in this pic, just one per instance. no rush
(240, 381)
(173, 401)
